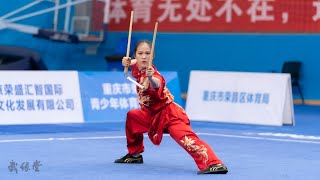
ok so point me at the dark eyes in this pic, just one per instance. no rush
(140, 53)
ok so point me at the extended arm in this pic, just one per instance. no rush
(154, 82)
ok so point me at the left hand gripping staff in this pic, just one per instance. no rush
(128, 45)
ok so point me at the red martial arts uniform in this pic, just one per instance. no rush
(159, 114)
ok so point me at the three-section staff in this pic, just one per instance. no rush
(128, 53)
(146, 82)
(129, 42)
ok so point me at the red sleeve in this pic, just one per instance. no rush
(162, 84)
(135, 71)
(162, 81)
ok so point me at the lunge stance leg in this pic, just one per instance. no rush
(201, 152)
(137, 123)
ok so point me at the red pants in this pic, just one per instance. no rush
(139, 122)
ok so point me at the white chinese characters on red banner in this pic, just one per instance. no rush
(217, 15)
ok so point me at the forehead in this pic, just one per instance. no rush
(143, 47)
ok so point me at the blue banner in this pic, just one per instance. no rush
(108, 96)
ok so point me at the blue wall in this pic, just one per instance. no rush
(181, 52)
(185, 52)
(235, 52)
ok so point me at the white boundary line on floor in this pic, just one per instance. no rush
(261, 138)
(123, 137)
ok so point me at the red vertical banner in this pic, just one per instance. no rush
(274, 16)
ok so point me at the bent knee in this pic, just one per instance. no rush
(131, 114)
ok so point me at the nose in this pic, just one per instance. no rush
(144, 56)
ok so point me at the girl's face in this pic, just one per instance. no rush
(142, 55)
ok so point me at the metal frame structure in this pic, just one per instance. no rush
(11, 23)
